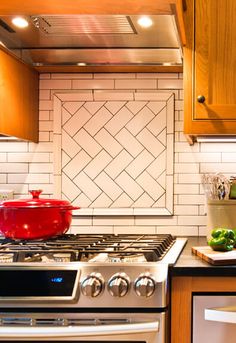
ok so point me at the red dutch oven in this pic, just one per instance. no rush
(35, 218)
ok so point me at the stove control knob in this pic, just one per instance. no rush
(144, 285)
(118, 285)
(92, 285)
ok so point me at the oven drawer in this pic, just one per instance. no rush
(91, 327)
(214, 318)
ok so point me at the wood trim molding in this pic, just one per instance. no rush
(109, 69)
(86, 7)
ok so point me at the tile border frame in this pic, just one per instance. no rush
(60, 97)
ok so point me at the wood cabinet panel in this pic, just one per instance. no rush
(182, 289)
(209, 64)
(18, 98)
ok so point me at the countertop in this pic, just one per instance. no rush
(189, 264)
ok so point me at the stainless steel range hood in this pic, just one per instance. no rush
(93, 40)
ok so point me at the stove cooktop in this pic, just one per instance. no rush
(88, 248)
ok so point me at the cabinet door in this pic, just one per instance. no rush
(209, 68)
(215, 59)
(18, 98)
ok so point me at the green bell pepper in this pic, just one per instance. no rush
(222, 239)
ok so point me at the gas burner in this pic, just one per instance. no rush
(87, 248)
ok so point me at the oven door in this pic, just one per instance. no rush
(86, 327)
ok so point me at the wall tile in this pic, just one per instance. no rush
(29, 165)
(28, 157)
(113, 95)
(135, 84)
(114, 76)
(55, 84)
(71, 76)
(14, 168)
(93, 84)
(3, 157)
(170, 84)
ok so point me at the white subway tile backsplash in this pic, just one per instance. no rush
(136, 84)
(121, 221)
(77, 164)
(191, 199)
(3, 157)
(131, 145)
(129, 185)
(97, 164)
(45, 105)
(229, 157)
(170, 84)
(91, 229)
(134, 229)
(45, 125)
(13, 147)
(71, 76)
(187, 168)
(152, 220)
(93, 84)
(114, 76)
(40, 168)
(113, 95)
(14, 167)
(217, 168)
(191, 210)
(199, 157)
(87, 186)
(28, 165)
(40, 147)
(87, 142)
(44, 94)
(107, 185)
(45, 76)
(108, 143)
(119, 163)
(55, 84)
(28, 157)
(44, 115)
(47, 188)
(76, 96)
(3, 178)
(186, 189)
(98, 121)
(189, 178)
(192, 220)
(212, 147)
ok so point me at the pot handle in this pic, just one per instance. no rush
(35, 193)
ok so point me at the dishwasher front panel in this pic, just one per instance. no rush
(214, 319)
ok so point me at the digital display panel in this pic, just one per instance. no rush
(37, 283)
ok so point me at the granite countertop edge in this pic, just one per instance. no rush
(189, 264)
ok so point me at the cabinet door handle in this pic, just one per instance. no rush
(221, 314)
(201, 99)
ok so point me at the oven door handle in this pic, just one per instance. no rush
(78, 331)
(221, 314)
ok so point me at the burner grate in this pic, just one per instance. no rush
(70, 247)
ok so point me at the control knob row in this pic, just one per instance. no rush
(118, 285)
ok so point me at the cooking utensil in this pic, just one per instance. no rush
(216, 186)
(35, 218)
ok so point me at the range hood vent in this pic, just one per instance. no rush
(84, 24)
(94, 40)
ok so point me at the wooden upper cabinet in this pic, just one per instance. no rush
(19, 98)
(209, 67)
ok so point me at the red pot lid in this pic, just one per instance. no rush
(35, 202)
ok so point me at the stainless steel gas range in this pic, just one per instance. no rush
(87, 288)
